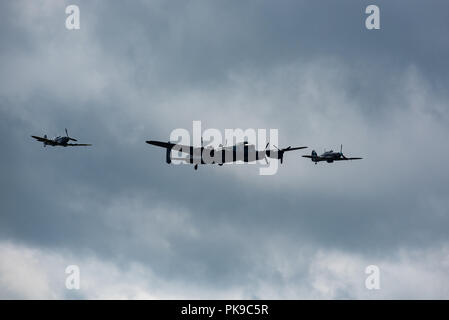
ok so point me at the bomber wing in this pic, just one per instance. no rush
(295, 148)
(175, 147)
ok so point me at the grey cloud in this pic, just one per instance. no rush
(138, 71)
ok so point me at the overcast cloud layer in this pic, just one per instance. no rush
(139, 228)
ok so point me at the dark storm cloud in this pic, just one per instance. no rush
(138, 71)
(200, 41)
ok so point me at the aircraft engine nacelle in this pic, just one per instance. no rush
(168, 155)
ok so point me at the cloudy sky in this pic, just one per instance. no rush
(139, 228)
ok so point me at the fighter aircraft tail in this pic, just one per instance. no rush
(313, 156)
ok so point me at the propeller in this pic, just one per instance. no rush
(66, 133)
(344, 157)
(341, 152)
(281, 152)
(266, 152)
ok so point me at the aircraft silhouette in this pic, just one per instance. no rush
(62, 141)
(329, 156)
(208, 155)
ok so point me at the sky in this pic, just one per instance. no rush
(139, 228)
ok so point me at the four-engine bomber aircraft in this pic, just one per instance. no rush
(329, 156)
(208, 155)
(60, 141)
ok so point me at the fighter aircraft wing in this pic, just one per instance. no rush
(169, 145)
(45, 140)
(341, 159)
(78, 145)
(41, 139)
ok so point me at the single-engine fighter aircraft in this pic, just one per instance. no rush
(208, 155)
(60, 141)
(329, 156)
